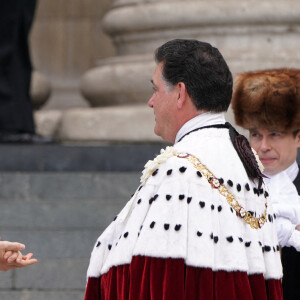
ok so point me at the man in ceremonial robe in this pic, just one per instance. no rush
(199, 226)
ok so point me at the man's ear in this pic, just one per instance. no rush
(298, 139)
(182, 94)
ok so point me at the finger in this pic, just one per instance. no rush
(24, 263)
(19, 258)
(7, 254)
(27, 262)
(13, 257)
(27, 256)
(13, 246)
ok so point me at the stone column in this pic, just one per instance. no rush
(66, 40)
(252, 34)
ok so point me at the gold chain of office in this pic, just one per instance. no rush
(247, 216)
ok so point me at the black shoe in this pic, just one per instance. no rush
(24, 138)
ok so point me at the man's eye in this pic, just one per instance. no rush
(275, 134)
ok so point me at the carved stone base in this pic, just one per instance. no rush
(109, 124)
(115, 124)
(40, 89)
(119, 80)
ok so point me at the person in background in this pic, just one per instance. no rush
(267, 102)
(16, 113)
(12, 258)
(195, 228)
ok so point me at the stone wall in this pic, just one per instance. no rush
(59, 217)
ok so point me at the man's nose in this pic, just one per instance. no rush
(150, 102)
(265, 144)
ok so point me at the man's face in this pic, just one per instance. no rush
(277, 150)
(164, 104)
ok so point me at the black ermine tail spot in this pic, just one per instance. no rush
(152, 224)
(177, 227)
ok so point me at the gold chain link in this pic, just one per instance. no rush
(247, 216)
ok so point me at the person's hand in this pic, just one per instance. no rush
(11, 257)
(297, 227)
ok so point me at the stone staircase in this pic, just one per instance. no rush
(57, 199)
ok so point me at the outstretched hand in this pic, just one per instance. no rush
(12, 258)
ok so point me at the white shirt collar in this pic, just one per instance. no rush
(292, 171)
(204, 119)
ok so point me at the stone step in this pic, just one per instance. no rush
(75, 157)
(45, 295)
(59, 216)
(48, 276)
(58, 186)
(55, 244)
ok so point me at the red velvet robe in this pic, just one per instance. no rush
(169, 279)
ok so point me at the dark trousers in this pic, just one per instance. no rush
(16, 115)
